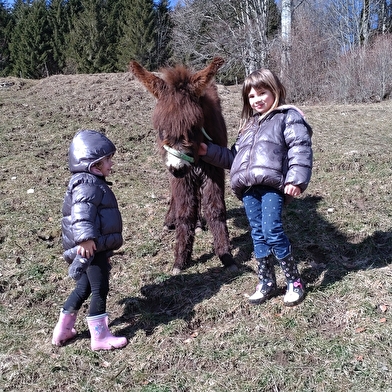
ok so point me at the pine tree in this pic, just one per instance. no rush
(115, 11)
(59, 27)
(5, 27)
(138, 34)
(30, 48)
(88, 45)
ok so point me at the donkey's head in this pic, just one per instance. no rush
(178, 115)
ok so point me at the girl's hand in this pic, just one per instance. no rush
(203, 149)
(87, 248)
(292, 190)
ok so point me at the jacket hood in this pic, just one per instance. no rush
(88, 147)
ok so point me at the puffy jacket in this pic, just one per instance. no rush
(274, 152)
(90, 208)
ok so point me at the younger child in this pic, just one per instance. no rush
(270, 161)
(91, 230)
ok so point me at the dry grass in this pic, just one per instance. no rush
(193, 332)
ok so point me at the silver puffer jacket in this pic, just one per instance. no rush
(274, 152)
(90, 208)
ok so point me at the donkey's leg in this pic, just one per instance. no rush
(214, 207)
(200, 224)
(186, 202)
(170, 217)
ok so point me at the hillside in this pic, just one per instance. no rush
(196, 331)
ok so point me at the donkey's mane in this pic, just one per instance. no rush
(179, 109)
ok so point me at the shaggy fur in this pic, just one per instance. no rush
(187, 102)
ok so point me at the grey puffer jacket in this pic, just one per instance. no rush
(274, 152)
(90, 208)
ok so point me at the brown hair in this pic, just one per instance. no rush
(98, 163)
(262, 78)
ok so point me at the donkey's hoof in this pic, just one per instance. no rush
(168, 227)
(176, 271)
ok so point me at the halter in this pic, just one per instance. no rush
(178, 154)
(181, 155)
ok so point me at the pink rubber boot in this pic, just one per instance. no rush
(101, 338)
(64, 329)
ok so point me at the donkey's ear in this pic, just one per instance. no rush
(203, 78)
(154, 84)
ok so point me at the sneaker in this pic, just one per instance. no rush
(264, 291)
(295, 293)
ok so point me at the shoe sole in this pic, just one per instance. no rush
(295, 303)
(261, 300)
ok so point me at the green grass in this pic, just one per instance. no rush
(196, 331)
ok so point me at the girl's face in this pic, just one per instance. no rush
(105, 165)
(262, 100)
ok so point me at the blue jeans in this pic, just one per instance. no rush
(263, 206)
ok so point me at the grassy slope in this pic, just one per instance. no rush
(196, 331)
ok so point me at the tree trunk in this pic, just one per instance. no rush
(286, 36)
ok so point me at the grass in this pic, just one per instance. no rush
(196, 331)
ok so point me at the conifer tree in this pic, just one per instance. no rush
(5, 27)
(138, 34)
(114, 14)
(87, 41)
(58, 23)
(30, 49)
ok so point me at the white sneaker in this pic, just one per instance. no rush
(295, 293)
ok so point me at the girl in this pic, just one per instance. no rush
(91, 230)
(271, 160)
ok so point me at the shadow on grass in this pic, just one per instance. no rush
(173, 298)
(329, 253)
(176, 296)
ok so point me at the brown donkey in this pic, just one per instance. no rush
(188, 112)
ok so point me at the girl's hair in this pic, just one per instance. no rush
(261, 79)
(99, 163)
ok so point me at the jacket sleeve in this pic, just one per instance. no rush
(220, 156)
(298, 135)
(86, 198)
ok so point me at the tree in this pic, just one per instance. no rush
(57, 19)
(30, 49)
(241, 31)
(163, 31)
(88, 45)
(5, 27)
(114, 12)
(384, 17)
(286, 35)
(138, 34)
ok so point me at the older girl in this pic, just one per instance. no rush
(270, 161)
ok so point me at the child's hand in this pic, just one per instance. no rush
(87, 248)
(203, 149)
(292, 190)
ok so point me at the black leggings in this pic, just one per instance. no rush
(94, 281)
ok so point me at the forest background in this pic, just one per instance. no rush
(324, 50)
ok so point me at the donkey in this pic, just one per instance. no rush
(187, 113)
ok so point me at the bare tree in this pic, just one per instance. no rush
(253, 24)
(286, 35)
(239, 30)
